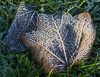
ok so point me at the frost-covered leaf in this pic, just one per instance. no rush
(25, 21)
(60, 40)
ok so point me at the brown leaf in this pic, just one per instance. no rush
(60, 40)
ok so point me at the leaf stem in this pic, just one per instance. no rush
(36, 4)
(67, 70)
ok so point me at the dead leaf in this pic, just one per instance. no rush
(25, 21)
(60, 40)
